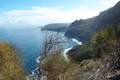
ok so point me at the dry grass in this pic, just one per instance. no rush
(10, 67)
(55, 67)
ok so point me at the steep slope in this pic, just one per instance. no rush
(83, 29)
(108, 17)
(80, 29)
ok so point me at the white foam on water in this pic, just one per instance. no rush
(65, 53)
(75, 40)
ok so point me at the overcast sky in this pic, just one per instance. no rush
(17, 13)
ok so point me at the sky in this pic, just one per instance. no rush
(18, 13)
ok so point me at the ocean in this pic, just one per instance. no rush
(28, 42)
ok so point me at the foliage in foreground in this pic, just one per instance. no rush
(55, 67)
(10, 67)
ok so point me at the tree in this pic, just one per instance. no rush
(52, 42)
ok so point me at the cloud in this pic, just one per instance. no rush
(108, 3)
(43, 15)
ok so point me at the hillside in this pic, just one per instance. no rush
(83, 29)
(80, 29)
(59, 27)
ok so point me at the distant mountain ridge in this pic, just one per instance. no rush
(108, 17)
(83, 29)
(58, 27)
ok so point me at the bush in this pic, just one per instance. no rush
(10, 67)
(79, 53)
(54, 65)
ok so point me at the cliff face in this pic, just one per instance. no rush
(108, 17)
(80, 29)
(83, 29)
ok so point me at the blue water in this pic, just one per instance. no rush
(28, 42)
